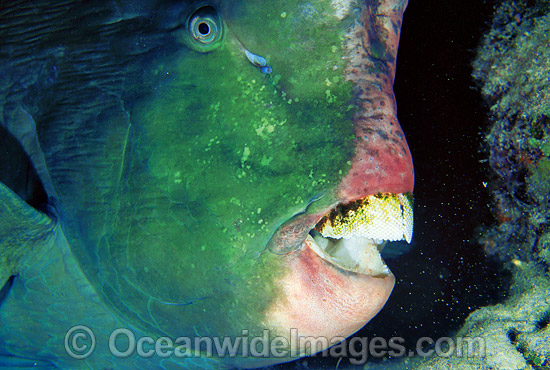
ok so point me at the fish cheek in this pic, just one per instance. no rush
(227, 155)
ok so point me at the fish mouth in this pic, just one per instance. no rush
(352, 235)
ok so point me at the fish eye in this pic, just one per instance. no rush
(205, 28)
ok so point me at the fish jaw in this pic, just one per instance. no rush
(322, 301)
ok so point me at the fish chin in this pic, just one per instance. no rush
(328, 297)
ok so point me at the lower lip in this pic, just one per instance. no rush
(322, 300)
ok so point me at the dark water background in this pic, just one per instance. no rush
(446, 275)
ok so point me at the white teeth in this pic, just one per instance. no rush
(321, 242)
(380, 216)
(353, 254)
(360, 252)
(353, 234)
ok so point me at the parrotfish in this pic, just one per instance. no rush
(180, 172)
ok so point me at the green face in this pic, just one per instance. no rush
(208, 158)
(217, 168)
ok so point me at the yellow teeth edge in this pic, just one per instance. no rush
(383, 216)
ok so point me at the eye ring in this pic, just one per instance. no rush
(205, 29)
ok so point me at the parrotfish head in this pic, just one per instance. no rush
(225, 166)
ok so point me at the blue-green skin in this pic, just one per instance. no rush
(172, 165)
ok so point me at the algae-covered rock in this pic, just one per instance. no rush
(510, 335)
(513, 71)
(513, 62)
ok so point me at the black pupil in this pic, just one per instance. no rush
(203, 28)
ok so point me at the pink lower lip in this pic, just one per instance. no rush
(319, 299)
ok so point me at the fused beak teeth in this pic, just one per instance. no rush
(352, 235)
(381, 217)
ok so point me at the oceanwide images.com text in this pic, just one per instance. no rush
(80, 343)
